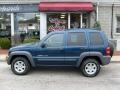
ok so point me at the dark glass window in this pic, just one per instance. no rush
(5, 25)
(77, 39)
(55, 40)
(118, 24)
(96, 39)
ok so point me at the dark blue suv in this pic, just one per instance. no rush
(82, 48)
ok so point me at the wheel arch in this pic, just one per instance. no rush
(91, 57)
(96, 55)
(24, 54)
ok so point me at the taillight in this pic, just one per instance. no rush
(107, 51)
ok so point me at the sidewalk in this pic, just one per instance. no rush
(3, 57)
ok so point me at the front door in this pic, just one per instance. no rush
(53, 52)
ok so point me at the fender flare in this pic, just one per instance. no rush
(23, 53)
(88, 54)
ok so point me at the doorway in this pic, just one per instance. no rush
(75, 20)
(79, 20)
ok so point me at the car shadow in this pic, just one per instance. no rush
(56, 70)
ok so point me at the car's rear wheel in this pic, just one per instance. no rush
(90, 67)
(20, 66)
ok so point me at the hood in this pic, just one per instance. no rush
(23, 46)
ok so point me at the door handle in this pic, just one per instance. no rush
(60, 48)
(83, 48)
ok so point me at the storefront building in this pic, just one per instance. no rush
(64, 15)
(25, 20)
(19, 22)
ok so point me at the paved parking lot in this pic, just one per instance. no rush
(60, 79)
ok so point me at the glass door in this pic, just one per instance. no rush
(79, 20)
(75, 20)
(86, 20)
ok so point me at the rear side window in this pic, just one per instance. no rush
(76, 39)
(96, 39)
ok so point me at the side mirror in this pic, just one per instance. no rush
(43, 45)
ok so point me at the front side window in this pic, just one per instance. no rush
(96, 39)
(55, 40)
(76, 39)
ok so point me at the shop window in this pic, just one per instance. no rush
(57, 21)
(118, 24)
(28, 27)
(5, 25)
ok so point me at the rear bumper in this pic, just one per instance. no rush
(106, 60)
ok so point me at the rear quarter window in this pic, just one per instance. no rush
(96, 38)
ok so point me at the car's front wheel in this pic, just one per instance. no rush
(90, 67)
(20, 66)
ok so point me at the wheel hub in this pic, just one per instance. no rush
(19, 66)
(90, 68)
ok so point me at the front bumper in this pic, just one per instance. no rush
(8, 60)
(106, 60)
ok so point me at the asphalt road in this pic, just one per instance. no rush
(60, 79)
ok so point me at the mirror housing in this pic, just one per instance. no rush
(43, 45)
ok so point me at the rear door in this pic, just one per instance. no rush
(75, 45)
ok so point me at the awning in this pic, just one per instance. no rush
(65, 6)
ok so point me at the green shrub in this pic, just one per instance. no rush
(5, 43)
(97, 25)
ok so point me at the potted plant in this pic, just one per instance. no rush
(97, 25)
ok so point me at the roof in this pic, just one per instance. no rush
(78, 30)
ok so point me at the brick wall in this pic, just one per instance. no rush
(104, 16)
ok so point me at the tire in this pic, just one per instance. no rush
(111, 48)
(90, 67)
(20, 66)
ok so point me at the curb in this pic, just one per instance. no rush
(2, 61)
(115, 62)
(3, 58)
